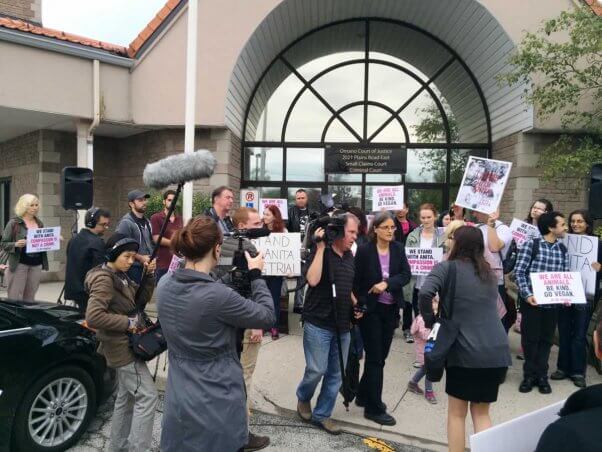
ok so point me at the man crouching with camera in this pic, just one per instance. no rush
(330, 258)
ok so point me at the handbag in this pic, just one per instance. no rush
(444, 332)
(149, 342)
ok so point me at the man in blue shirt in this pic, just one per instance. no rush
(545, 254)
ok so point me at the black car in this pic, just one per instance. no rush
(51, 377)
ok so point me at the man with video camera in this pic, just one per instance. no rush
(244, 219)
(330, 264)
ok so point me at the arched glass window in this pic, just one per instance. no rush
(369, 83)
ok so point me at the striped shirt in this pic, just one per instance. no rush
(551, 257)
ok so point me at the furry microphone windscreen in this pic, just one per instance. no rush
(178, 169)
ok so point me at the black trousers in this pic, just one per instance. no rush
(409, 309)
(537, 332)
(377, 328)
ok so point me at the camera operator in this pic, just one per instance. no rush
(85, 251)
(319, 329)
(205, 394)
(244, 218)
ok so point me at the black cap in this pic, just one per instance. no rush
(137, 194)
(117, 244)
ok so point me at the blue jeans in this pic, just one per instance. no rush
(428, 385)
(572, 329)
(322, 361)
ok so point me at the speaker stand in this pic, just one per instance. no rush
(73, 234)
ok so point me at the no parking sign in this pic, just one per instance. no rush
(249, 198)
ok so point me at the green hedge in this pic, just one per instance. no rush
(200, 202)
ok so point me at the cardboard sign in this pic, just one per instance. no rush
(282, 253)
(43, 239)
(280, 203)
(558, 288)
(250, 199)
(388, 198)
(483, 184)
(582, 252)
(422, 260)
(521, 231)
(517, 435)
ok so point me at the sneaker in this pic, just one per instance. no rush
(579, 381)
(304, 410)
(417, 365)
(275, 334)
(413, 387)
(544, 386)
(430, 397)
(381, 418)
(256, 442)
(408, 337)
(558, 375)
(329, 426)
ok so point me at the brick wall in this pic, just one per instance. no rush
(525, 184)
(30, 10)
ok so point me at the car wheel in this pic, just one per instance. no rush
(55, 411)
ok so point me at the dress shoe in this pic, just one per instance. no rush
(381, 418)
(256, 442)
(526, 385)
(362, 404)
(579, 381)
(558, 375)
(544, 386)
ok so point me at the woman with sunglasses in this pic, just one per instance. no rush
(381, 271)
(573, 320)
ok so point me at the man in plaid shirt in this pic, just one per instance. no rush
(539, 321)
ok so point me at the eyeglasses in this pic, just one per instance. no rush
(387, 228)
(104, 225)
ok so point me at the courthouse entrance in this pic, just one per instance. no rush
(355, 85)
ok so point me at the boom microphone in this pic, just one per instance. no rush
(254, 233)
(178, 169)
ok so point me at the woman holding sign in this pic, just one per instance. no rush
(24, 269)
(381, 271)
(427, 235)
(272, 220)
(573, 320)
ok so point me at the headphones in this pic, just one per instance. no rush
(113, 252)
(90, 219)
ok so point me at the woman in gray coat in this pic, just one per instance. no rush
(205, 400)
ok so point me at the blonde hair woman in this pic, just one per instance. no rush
(449, 234)
(24, 269)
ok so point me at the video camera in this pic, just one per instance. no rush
(239, 274)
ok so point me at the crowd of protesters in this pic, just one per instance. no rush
(214, 333)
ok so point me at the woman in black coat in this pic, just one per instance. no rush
(381, 271)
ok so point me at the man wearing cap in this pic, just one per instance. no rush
(136, 226)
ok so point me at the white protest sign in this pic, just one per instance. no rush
(43, 239)
(280, 203)
(249, 198)
(520, 434)
(582, 252)
(521, 231)
(388, 198)
(422, 260)
(483, 184)
(557, 288)
(282, 253)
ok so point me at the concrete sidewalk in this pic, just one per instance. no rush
(280, 368)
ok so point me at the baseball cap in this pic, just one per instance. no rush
(137, 194)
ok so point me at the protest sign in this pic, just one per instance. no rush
(582, 252)
(282, 253)
(422, 260)
(43, 239)
(388, 198)
(557, 288)
(521, 231)
(280, 203)
(517, 435)
(483, 184)
(175, 263)
(249, 198)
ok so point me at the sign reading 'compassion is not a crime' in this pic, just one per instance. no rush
(339, 159)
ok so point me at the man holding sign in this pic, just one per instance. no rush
(539, 319)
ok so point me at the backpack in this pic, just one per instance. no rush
(509, 262)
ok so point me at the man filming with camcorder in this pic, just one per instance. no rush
(327, 315)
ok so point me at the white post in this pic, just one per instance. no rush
(83, 158)
(191, 57)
